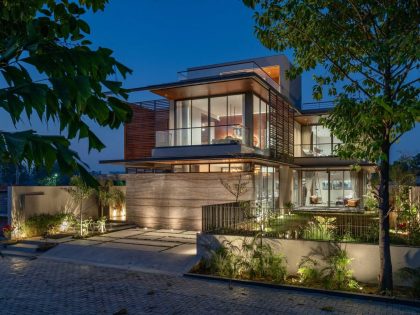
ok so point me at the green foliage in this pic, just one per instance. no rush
(43, 224)
(412, 275)
(251, 260)
(308, 271)
(333, 273)
(80, 191)
(369, 52)
(321, 228)
(67, 84)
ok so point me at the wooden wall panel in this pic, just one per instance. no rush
(174, 200)
(140, 133)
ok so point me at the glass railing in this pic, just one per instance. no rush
(229, 134)
(315, 150)
(223, 70)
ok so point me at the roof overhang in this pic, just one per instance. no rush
(166, 163)
(211, 86)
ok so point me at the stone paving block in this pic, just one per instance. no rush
(184, 249)
(83, 242)
(191, 232)
(146, 242)
(179, 239)
(146, 237)
(41, 286)
(124, 233)
(134, 247)
(170, 231)
(101, 238)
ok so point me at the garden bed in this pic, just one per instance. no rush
(401, 294)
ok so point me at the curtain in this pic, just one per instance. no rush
(354, 177)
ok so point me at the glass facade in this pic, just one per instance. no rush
(260, 121)
(212, 168)
(266, 185)
(214, 120)
(316, 140)
(328, 189)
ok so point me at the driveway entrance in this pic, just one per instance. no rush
(165, 251)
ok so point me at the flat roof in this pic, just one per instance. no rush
(156, 162)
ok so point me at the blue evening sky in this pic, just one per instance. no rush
(157, 38)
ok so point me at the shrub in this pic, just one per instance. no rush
(42, 224)
(251, 260)
(336, 273)
(322, 228)
(308, 271)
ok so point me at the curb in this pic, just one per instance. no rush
(351, 295)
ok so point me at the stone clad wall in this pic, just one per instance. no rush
(174, 200)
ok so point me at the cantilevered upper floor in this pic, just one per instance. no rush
(246, 108)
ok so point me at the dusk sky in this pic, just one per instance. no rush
(157, 38)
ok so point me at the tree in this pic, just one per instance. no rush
(80, 191)
(108, 196)
(51, 71)
(369, 53)
(238, 186)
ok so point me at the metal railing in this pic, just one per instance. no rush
(315, 150)
(317, 106)
(229, 69)
(246, 219)
(229, 134)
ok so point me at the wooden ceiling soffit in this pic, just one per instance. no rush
(213, 89)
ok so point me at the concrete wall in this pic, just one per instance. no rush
(365, 263)
(174, 200)
(27, 201)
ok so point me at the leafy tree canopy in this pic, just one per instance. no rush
(370, 52)
(50, 70)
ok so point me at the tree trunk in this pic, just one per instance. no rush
(385, 276)
(81, 218)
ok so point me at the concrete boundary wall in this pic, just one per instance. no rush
(26, 201)
(365, 257)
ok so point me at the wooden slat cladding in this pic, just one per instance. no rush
(139, 134)
(281, 129)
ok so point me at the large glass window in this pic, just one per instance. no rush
(260, 123)
(329, 188)
(317, 141)
(266, 185)
(215, 120)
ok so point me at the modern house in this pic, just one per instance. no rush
(225, 123)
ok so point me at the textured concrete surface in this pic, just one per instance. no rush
(32, 287)
(165, 251)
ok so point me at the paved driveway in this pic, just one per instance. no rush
(167, 251)
(33, 287)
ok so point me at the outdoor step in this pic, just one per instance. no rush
(17, 253)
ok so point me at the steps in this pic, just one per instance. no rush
(26, 249)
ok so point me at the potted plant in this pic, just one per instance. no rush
(7, 231)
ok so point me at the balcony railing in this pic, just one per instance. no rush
(231, 69)
(315, 150)
(317, 106)
(229, 134)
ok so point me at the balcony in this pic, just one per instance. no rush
(318, 150)
(227, 70)
(229, 134)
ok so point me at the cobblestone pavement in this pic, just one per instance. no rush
(44, 286)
